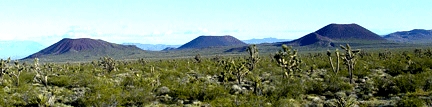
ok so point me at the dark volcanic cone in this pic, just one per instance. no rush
(76, 45)
(212, 41)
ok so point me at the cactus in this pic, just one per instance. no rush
(350, 59)
(198, 58)
(40, 77)
(288, 60)
(18, 71)
(418, 52)
(4, 66)
(257, 85)
(253, 57)
(385, 55)
(236, 68)
(107, 63)
(335, 69)
(428, 53)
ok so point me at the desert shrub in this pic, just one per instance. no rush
(198, 91)
(385, 85)
(82, 80)
(416, 68)
(407, 83)
(61, 81)
(332, 83)
(362, 69)
(223, 102)
(288, 88)
(315, 87)
(103, 93)
(250, 101)
(395, 68)
(337, 84)
(411, 102)
(137, 97)
(287, 103)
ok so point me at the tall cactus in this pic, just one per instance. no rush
(335, 69)
(350, 59)
(18, 71)
(198, 58)
(107, 63)
(40, 77)
(4, 66)
(288, 60)
(253, 57)
(237, 68)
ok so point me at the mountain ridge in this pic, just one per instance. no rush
(68, 45)
(412, 36)
(336, 33)
(212, 41)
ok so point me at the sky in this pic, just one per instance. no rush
(176, 22)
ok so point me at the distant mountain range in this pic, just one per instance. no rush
(336, 33)
(264, 40)
(152, 47)
(92, 46)
(18, 49)
(212, 41)
(159, 47)
(412, 36)
(85, 48)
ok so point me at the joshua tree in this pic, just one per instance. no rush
(237, 68)
(253, 57)
(18, 71)
(4, 66)
(428, 53)
(40, 77)
(335, 69)
(108, 64)
(350, 59)
(198, 58)
(288, 60)
(385, 55)
(418, 52)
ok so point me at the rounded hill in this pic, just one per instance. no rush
(348, 32)
(337, 33)
(67, 45)
(212, 41)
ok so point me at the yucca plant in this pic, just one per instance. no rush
(198, 58)
(288, 60)
(41, 76)
(4, 66)
(349, 59)
(253, 57)
(107, 63)
(335, 69)
(237, 68)
(16, 73)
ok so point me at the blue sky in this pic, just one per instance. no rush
(179, 21)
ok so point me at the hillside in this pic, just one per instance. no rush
(312, 39)
(92, 46)
(212, 41)
(336, 33)
(413, 36)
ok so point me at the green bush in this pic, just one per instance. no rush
(60, 81)
(407, 83)
(411, 102)
(395, 68)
